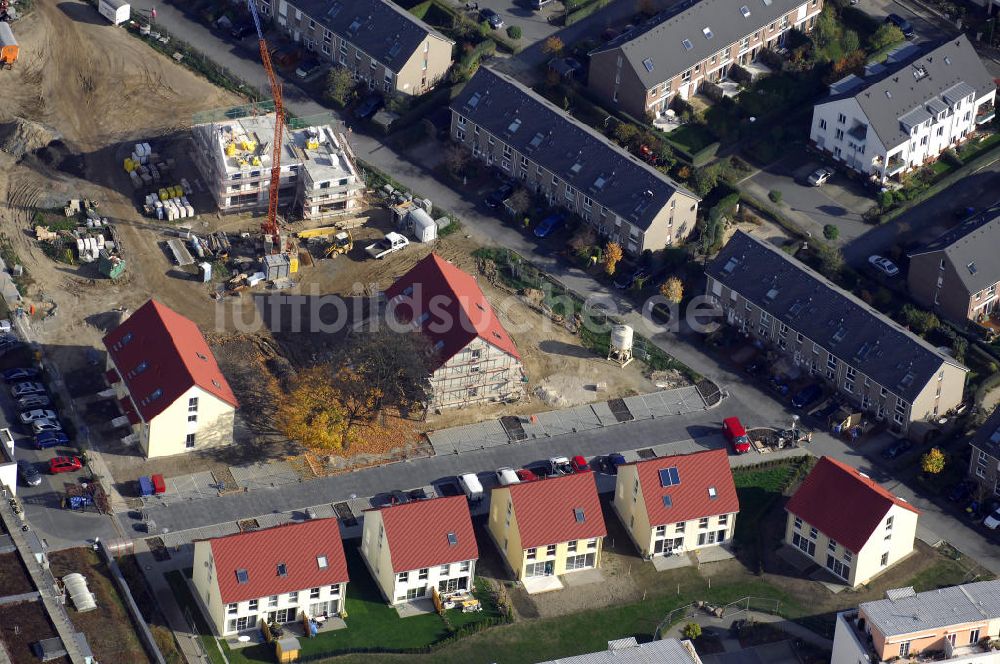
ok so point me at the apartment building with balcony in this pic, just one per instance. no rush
(984, 464)
(675, 52)
(887, 371)
(378, 42)
(958, 273)
(955, 625)
(318, 176)
(845, 521)
(524, 136)
(904, 113)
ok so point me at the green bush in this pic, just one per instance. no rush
(775, 196)
(831, 232)
(514, 32)
(586, 11)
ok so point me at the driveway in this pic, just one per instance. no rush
(535, 26)
(926, 26)
(841, 201)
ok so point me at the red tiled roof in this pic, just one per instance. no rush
(690, 499)
(458, 310)
(843, 503)
(176, 355)
(259, 552)
(545, 510)
(417, 533)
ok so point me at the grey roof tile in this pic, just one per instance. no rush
(663, 40)
(915, 79)
(838, 321)
(380, 28)
(905, 612)
(628, 651)
(972, 247)
(574, 152)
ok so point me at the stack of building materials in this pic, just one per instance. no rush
(43, 234)
(169, 203)
(89, 248)
(145, 167)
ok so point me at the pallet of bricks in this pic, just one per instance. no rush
(148, 171)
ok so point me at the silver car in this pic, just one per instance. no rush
(30, 416)
(820, 176)
(41, 426)
(24, 389)
(33, 401)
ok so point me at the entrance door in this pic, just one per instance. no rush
(546, 568)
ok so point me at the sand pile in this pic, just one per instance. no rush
(19, 137)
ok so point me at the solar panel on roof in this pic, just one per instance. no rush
(669, 476)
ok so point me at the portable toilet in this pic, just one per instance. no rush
(205, 271)
(8, 45)
(424, 228)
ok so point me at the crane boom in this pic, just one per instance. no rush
(270, 225)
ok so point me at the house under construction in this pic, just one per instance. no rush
(318, 176)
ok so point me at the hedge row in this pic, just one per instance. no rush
(585, 11)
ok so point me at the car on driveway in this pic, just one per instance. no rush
(33, 401)
(897, 449)
(901, 23)
(28, 472)
(626, 280)
(579, 464)
(48, 439)
(369, 107)
(807, 396)
(883, 265)
(29, 416)
(496, 198)
(24, 389)
(736, 435)
(549, 224)
(525, 475)
(64, 464)
(307, 68)
(610, 463)
(820, 176)
(491, 17)
(506, 476)
(560, 466)
(20, 373)
(993, 519)
(41, 426)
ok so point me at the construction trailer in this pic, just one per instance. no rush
(9, 49)
(116, 11)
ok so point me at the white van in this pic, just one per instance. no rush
(471, 486)
(506, 476)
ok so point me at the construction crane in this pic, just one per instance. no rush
(270, 225)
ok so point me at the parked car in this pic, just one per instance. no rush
(417, 494)
(961, 492)
(611, 463)
(20, 373)
(28, 472)
(579, 464)
(820, 176)
(736, 435)
(897, 449)
(64, 464)
(491, 17)
(560, 466)
(471, 486)
(526, 475)
(993, 520)
(626, 280)
(398, 497)
(307, 68)
(48, 439)
(883, 265)
(827, 410)
(901, 23)
(497, 198)
(286, 56)
(241, 30)
(33, 401)
(29, 416)
(369, 107)
(41, 426)
(807, 396)
(549, 224)
(24, 389)
(779, 385)
(506, 476)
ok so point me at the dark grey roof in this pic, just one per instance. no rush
(809, 303)
(676, 39)
(906, 612)
(628, 651)
(568, 148)
(972, 247)
(381, 29)
(987, 436)
(917, 83)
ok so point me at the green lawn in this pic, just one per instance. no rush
(692, 138)
(973, 149)
(758, 490)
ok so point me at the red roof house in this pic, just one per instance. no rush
(448, 307)
(415, 546)
(869, 527)
(159, 360)
(293, 568)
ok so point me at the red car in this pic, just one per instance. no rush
(736, 435)
(64, 464)
(579, 465)
(526, 475)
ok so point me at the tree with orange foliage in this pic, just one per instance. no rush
(310, 412)
(852, 63)
(612, 255)
(553, 46)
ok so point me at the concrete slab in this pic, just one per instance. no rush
(583, 577)
(795, 558)
(770, 653)
(714, 554)
(835, 588)
(664, 563)
(415, 607)
(264, 475)
(541, 584)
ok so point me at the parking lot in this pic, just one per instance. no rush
(841, 201)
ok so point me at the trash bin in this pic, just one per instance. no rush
(159, 486)
(146, 487)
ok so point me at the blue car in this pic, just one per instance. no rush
(549, 224)
(612, 461)
(807, 396)
(50, 439)
(20, 373)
